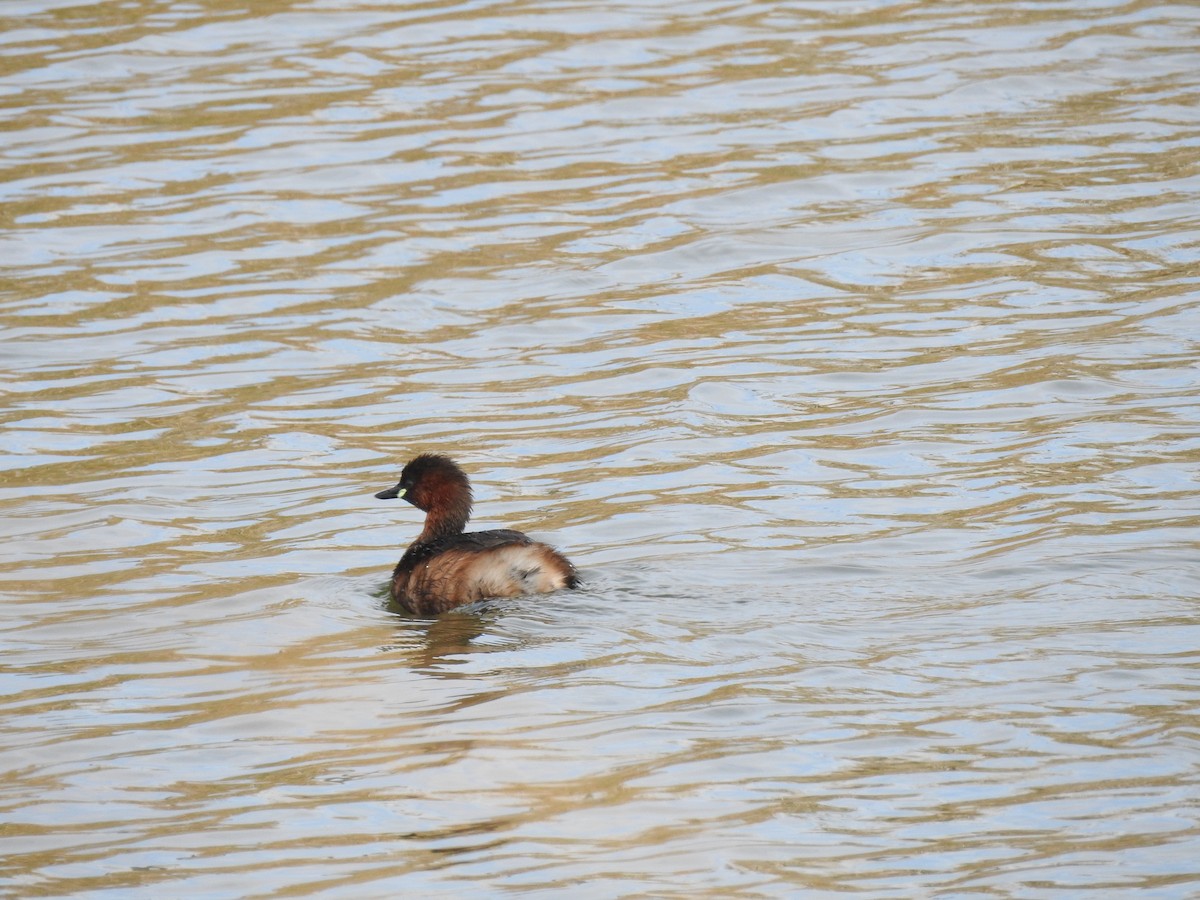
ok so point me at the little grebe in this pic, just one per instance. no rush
(446, 567)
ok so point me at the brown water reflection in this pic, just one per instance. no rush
(849, 348)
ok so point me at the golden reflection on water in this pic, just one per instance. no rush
(850, 349)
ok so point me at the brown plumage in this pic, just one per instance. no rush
(446, 567)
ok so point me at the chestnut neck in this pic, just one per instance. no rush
(447, 516)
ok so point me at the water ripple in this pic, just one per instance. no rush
(848, 348)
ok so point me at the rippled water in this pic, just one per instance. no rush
(849, 348)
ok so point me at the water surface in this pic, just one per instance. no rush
(848, 348)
